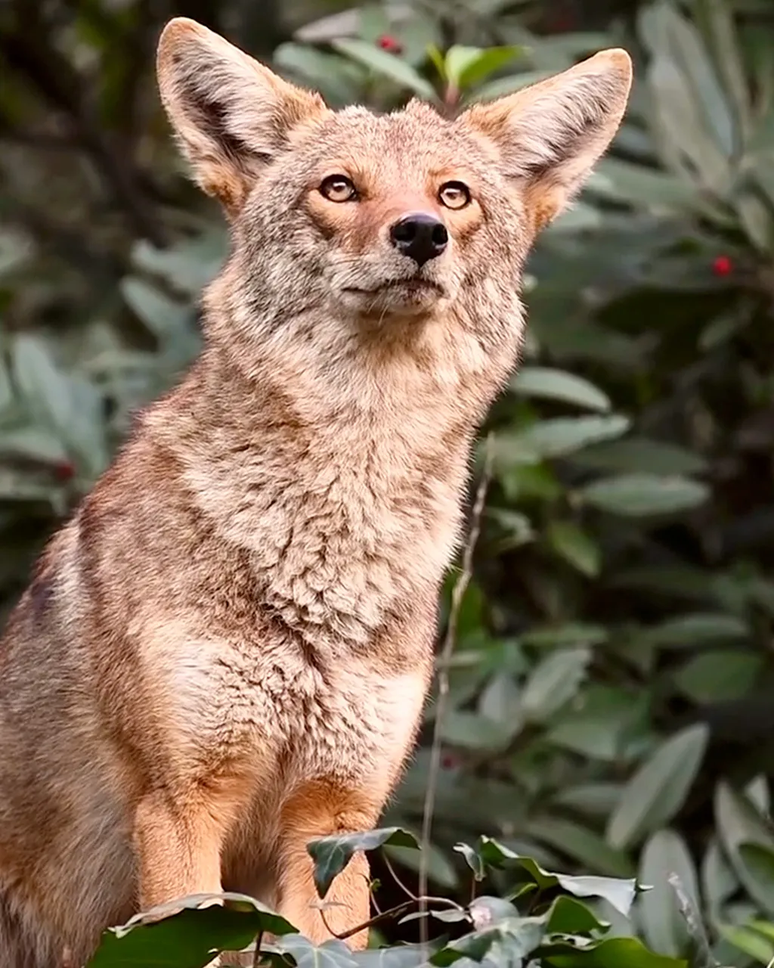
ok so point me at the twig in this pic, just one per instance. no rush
(447, 648)
(257, 955)
(390, 913)
(397, 880)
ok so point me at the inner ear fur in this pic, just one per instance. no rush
(231, 114)
(550, 135)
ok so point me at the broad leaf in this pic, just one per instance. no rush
(638, 495)
(330, 954)
(553, 682)
(553, 384)
(748, 840)
(186, 933)
(663, 925)
(332, 854)
(557, 437)
(610, 953)
(658, 789)
(386, 64)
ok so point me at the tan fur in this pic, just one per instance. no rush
(226, 650)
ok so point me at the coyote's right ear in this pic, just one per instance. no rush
(231, 114)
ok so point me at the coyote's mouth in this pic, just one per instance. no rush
(413, 285)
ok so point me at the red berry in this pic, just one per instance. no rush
(390, 44)
(449, 761)
(64, 470)
(722, 266)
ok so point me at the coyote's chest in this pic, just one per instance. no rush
(265, 701)
(337, 541)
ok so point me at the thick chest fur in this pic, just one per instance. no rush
(336, 531)
(249, 707)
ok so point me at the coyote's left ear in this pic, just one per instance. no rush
(551, 134)
(231, 114)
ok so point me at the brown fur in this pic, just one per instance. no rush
(225, 652)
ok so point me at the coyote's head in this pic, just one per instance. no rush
(351, 228)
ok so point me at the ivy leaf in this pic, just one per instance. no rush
(610, 953)
(186, 933)
(330, 954)
(332, 854)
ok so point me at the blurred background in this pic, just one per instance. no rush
(611, 687)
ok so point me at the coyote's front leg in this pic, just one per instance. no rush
(317, 810)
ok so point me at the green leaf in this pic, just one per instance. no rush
(471, 731)
(557, 437)
(65, 403)
(609, 953)
(569, 916)
(649, 188)
(619, 892)
(501, 702)
(330, 954)
(396, 956)
(385, 64)
(553, 384)
(576, 546)
(568, 635)
(508, 85)
(162, 315)
(553, 682)
(741, 829)
(595, 800)
(639, 495)
(508, 942)
(601, 723)
(186, 933)
(658, 789)
(719, 676)
(720, 28)
(696, 628)
(754, 943)
(684, 138)
(663, 926)
(642, 455)
(332, 854)
(580, 843)
(467, 66)
(718, 880)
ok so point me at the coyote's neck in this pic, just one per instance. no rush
(345, 519)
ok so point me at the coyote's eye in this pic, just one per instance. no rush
(454, 194)
(338, 188)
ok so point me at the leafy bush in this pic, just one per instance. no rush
(609, 664)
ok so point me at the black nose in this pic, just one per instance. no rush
(420, 236)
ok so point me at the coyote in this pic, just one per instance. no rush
(225, 651)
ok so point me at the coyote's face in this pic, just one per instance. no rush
(377, 224)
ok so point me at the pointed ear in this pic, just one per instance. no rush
(230, 113)
(551, 134)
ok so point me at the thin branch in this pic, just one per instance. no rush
(458, 593)
(390, 913)
(257, 955)
(397, 880)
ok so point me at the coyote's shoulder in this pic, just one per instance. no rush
(225, 652)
